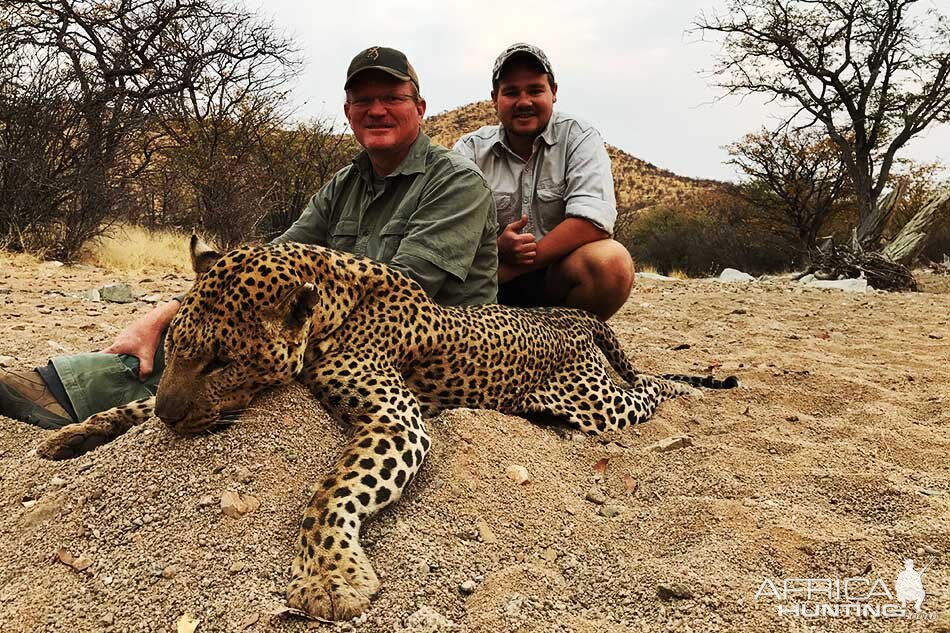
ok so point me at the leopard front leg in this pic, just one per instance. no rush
(332, 577)
(77, 439)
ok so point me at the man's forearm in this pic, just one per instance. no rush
(566, 238)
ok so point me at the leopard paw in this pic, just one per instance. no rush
(331, 596)
(72, 441)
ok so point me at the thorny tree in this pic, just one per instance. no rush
(873, 73)
(112, 64)
(798, 176)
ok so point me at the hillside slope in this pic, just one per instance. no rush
(638, 183)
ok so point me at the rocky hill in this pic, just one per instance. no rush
(638, 184)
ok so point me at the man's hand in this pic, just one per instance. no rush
(515, 247)
(141, 337)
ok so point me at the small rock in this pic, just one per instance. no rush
(518, 474)
(205, 501)
(169, 572)
(427, 620)
(44, 310)
(236, 568)
(467, 587)
(485, 532)
(108, 619)
(550, 554)
(243, 474)
(51, 264)
(116, 293)
(92, 295)
(57, 482)
(731, 275)
(422, 567)
(936, 336)
(611, 510)
(596, 495)
(7, 361)
(236, 505)
(671, 444)
(151, 298)
(670, 591)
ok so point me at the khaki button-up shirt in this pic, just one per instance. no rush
(567, 176)
(432, 218)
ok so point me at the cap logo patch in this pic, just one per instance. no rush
(373, 53)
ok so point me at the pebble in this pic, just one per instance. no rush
(611, 510)
(518, 474)
(485, 532)
(243, 474)
(7, 361)
(57, 482)
(671, 444)
(596, 495)
(670, 591)
(116, 293)
(467, 587)
(108, 619)
(235, 505)
(169, 572)
(237, 568)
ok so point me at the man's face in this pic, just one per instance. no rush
(524, 99)
(382, 112)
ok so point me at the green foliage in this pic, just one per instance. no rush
(706, 233)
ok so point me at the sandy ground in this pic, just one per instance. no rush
(830, 462)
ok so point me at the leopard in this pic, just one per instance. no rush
(382, 358)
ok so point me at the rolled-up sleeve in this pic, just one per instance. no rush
(589, 184)
(447, 226)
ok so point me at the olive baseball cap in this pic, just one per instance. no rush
(520, 50)
(388, 60)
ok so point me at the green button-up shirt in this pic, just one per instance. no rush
(433, 218)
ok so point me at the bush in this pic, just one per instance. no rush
(705, 233)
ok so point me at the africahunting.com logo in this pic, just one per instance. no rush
(855, 597)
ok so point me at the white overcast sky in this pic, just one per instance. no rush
(629, 67)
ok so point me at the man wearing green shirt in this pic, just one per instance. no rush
(403, 201)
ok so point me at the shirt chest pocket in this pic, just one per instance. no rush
(550, 203)
(343, 236)
(507, 211)
(390, 237)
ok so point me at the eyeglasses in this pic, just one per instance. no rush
(387, 101)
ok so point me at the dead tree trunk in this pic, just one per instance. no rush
(907, 244)
(867, 233)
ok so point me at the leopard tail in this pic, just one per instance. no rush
(607, 341)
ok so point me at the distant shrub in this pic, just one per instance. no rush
(705, 233)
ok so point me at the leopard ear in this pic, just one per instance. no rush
(203, 256)
(295, 308)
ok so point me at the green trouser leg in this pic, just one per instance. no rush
(95, 382)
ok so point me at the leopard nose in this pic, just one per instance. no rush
(171, 410)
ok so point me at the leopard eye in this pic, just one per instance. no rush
(216, 364)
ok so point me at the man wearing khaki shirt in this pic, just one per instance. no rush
(550, 175)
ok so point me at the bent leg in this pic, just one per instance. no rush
(597, 277)
(97, 382)
(74, 440)
(587, 397)
(332, 577)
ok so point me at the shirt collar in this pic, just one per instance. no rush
(413, 163)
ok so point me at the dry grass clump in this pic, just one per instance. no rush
(130, 249)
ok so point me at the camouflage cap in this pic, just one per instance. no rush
(388, 60)
(520, 49)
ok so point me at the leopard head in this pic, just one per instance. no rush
(244, 325)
